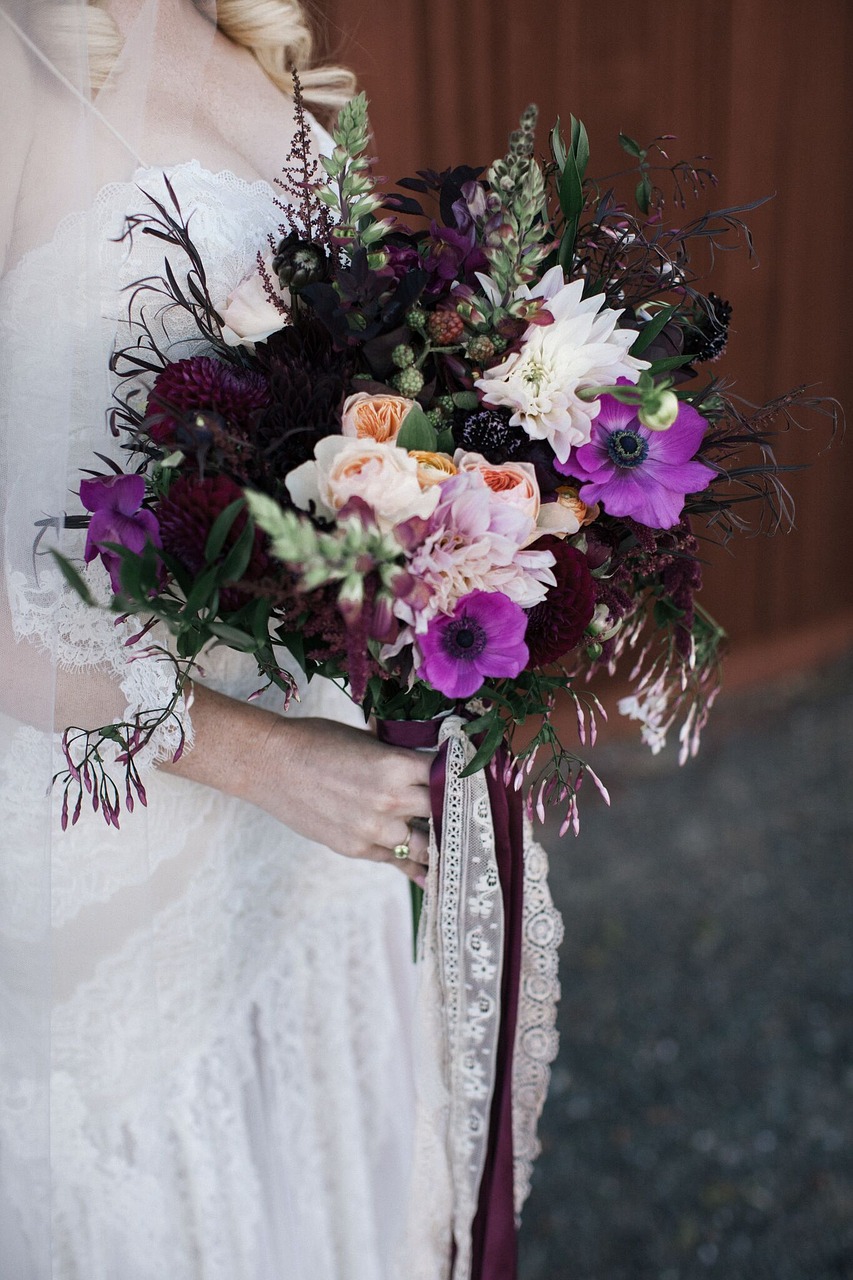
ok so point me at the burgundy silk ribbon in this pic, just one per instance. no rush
(494, 1241)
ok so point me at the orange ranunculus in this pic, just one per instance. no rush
(567, 515)
(374, 417)
(433, 468)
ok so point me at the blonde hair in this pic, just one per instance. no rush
(277, 32)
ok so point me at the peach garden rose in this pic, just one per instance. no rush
(374, 417)
(512, 482)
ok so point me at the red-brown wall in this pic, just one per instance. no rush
(758, 85)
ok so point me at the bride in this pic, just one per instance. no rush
(204, 1028)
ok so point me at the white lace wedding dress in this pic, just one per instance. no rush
(231, 1087)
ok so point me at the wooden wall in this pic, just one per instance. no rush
(761, 87)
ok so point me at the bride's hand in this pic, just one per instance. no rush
(330, 782)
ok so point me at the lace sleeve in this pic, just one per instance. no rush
(56, 387)
(99, 674)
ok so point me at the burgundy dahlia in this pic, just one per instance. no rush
(203, 384)
(557, 625)
(186, 516)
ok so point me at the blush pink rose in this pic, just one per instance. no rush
(383, 476)
(249, 314)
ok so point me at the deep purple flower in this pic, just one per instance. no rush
(453, 252)
(403, 257)
(205, 384)
(635, 472)
(484, 636)
(557, 625)
(187, 514)
(117, 516)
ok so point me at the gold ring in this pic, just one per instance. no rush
(402, 851)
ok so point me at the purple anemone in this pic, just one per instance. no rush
(639, 473)
(117, 516)
(484, 636)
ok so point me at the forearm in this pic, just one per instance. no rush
(230, 744)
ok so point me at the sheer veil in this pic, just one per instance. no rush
(77, 155)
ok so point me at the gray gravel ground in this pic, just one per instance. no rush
(700, 1121)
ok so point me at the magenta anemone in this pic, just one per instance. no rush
(639, 473)
(484, 636)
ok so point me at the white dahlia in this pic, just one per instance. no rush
(582, 348)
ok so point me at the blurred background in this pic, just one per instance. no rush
(699, 1122)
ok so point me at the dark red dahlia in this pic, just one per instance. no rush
(202, 383)
(557, 625)
(186, 516)
(308, 381)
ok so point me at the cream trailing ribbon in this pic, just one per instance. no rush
(460, 955)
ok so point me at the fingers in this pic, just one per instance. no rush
(418, 846)
(413, 871)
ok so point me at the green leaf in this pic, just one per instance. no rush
(236, 562)
(643, 195)
(417, 432)
(294, 642)
(202, 590)
(567, 246)
(633, 148)
(233, 637)
(558, 146)
(466, 400)
(491, 741)
(72, 577)
(570, 189)
(221, 528)
(667, 363)
(446, 442)
(130, 573)
(261, 622)
(580, 146)
(650, 331)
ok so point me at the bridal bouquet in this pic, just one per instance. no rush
(447, 448)
(452, 467)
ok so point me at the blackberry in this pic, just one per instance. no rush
(710, 332)
(480, 349)
(487, 431)
(445, 327)
(409, 382)
(403, 356)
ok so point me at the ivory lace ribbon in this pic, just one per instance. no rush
(484, 1018)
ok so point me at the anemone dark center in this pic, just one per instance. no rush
(627, 448)
(464, 638)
